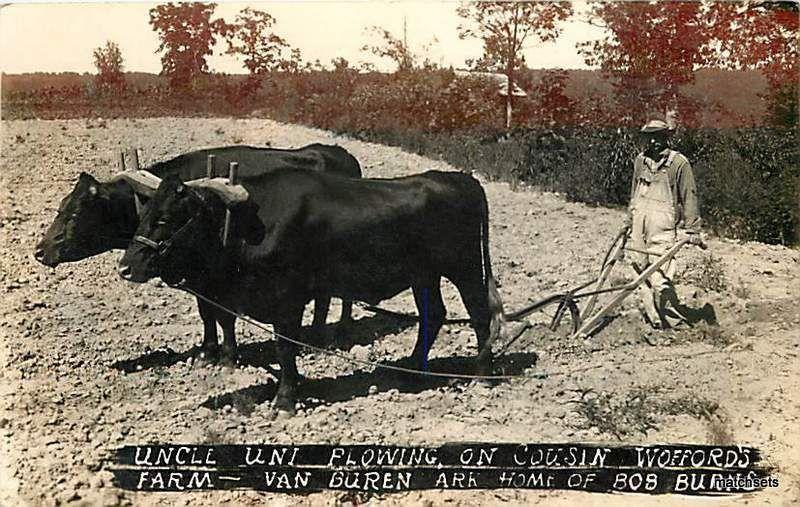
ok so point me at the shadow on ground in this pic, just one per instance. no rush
(313, 392)
(262, 354)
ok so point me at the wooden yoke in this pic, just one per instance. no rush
(145, 183)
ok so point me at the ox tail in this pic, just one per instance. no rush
(497, 314)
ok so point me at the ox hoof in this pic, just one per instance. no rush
(284, 406)
(485, 369)
(230, 361)
(284, 414)
(209, 353)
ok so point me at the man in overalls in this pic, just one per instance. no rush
(663, 201)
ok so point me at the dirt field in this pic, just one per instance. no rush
(90, 363)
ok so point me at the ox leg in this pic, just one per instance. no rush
(228, 324)
(210, 346)
(321, 307)
(287, 354)
(431, 311)
(346, 320)
(475, 296)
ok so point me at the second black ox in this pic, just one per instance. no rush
(310, 233)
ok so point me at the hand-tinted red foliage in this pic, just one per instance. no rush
(187, 36)
(654, 50)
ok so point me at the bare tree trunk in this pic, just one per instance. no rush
(510, 62)
(508, 113)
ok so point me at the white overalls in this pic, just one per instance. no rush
(654, 228)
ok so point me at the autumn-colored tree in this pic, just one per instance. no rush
(553, 106)
(187, 35)
(651, 49)
(293, 62)
(764, 36)
(251, 38)
(504, 28)
(386, 45)
(341, 65)
(109, 64)
(389, 46)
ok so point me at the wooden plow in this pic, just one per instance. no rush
(586, 322)
(144, 183)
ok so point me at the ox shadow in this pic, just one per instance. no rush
(317, 391)
(263, 354)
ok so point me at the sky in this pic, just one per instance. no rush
(49, 37)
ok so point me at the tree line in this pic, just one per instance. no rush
(650, 51)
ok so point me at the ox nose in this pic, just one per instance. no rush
(125, 272)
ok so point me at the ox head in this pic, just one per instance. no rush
(85, 224)
(178, 236)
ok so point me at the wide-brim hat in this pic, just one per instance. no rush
(655, 126)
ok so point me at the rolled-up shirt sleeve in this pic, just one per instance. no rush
(687, 193)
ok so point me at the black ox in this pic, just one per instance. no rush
(309, 233)
(97, 217)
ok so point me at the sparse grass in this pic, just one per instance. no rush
(689, 404)
(617, 415)
(741, 290)
(705, 273)
(705, 333)
(213, 436)
(719, 427)
(719, 430)
(354, 498)
(637, 411)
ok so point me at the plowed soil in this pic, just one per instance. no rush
(90, 362)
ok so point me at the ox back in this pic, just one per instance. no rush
(254, 161)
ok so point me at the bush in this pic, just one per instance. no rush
(748, 179)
